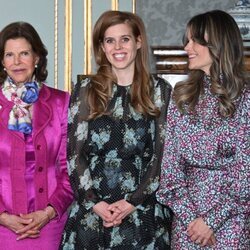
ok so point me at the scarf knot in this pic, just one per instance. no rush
(30, 95)
(20, 116)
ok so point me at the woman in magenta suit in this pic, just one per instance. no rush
(34, 185)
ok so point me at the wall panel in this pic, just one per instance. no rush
(62, 25)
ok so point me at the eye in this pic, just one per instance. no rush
(185, 42)
(8, 54)
(25, 53)
(125, 39)
(109, 40)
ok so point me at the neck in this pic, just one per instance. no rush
(19, 84)
(124, 77)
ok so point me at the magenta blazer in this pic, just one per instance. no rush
(49, 137)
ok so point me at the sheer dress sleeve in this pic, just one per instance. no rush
(77, 158)
(150, 181)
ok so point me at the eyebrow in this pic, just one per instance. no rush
(24, 50)
(108, 37)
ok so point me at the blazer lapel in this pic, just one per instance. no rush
(42, 112)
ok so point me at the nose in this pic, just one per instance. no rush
(16, 59)
(118, 45)
(188, 46)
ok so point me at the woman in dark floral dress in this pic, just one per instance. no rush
(116, 131)
(206, 162)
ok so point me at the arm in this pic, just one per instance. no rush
(237, 201)
(2, 206)
(150, 181)
(173, 190)
(62, 196)
(80, 178)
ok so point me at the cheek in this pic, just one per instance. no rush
(107, 52)
(105, 48)
(7, 63)
(209, 58)
(206, 52)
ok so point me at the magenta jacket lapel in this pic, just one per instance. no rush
(42, 112)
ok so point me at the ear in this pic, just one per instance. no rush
(103, 49)
(37, 59)
(138, 42)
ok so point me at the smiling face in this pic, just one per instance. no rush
(19, 60)
(198, 55)
(120, 47)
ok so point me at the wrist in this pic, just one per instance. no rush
(50, 212)
(3, 217)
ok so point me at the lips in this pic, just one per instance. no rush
(18, 70)
(191, 56)
(119, 56)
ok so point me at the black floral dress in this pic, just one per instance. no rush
(114, 157)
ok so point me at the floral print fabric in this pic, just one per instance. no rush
(117, 156)
(206, 172)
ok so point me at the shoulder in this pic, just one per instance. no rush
(246, 92)
(80, 88)
(52, 95)
(245, 99)
(79, 100)
(54, 92)
(162, 90)
(161, 82)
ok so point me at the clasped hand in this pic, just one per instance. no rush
(25, 226)
(200, 233)
(113, 214)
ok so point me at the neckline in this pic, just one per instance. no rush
(123, 85)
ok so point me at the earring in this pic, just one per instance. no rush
(4, 69)
(36, 66)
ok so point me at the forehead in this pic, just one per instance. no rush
(118, 30)
(17, 44)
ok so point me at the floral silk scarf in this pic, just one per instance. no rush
(20, 116)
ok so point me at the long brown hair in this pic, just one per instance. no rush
(227, 70)
(24, 30)
(101, 85)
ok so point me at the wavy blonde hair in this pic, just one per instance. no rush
(227, 70)
(100, 88)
